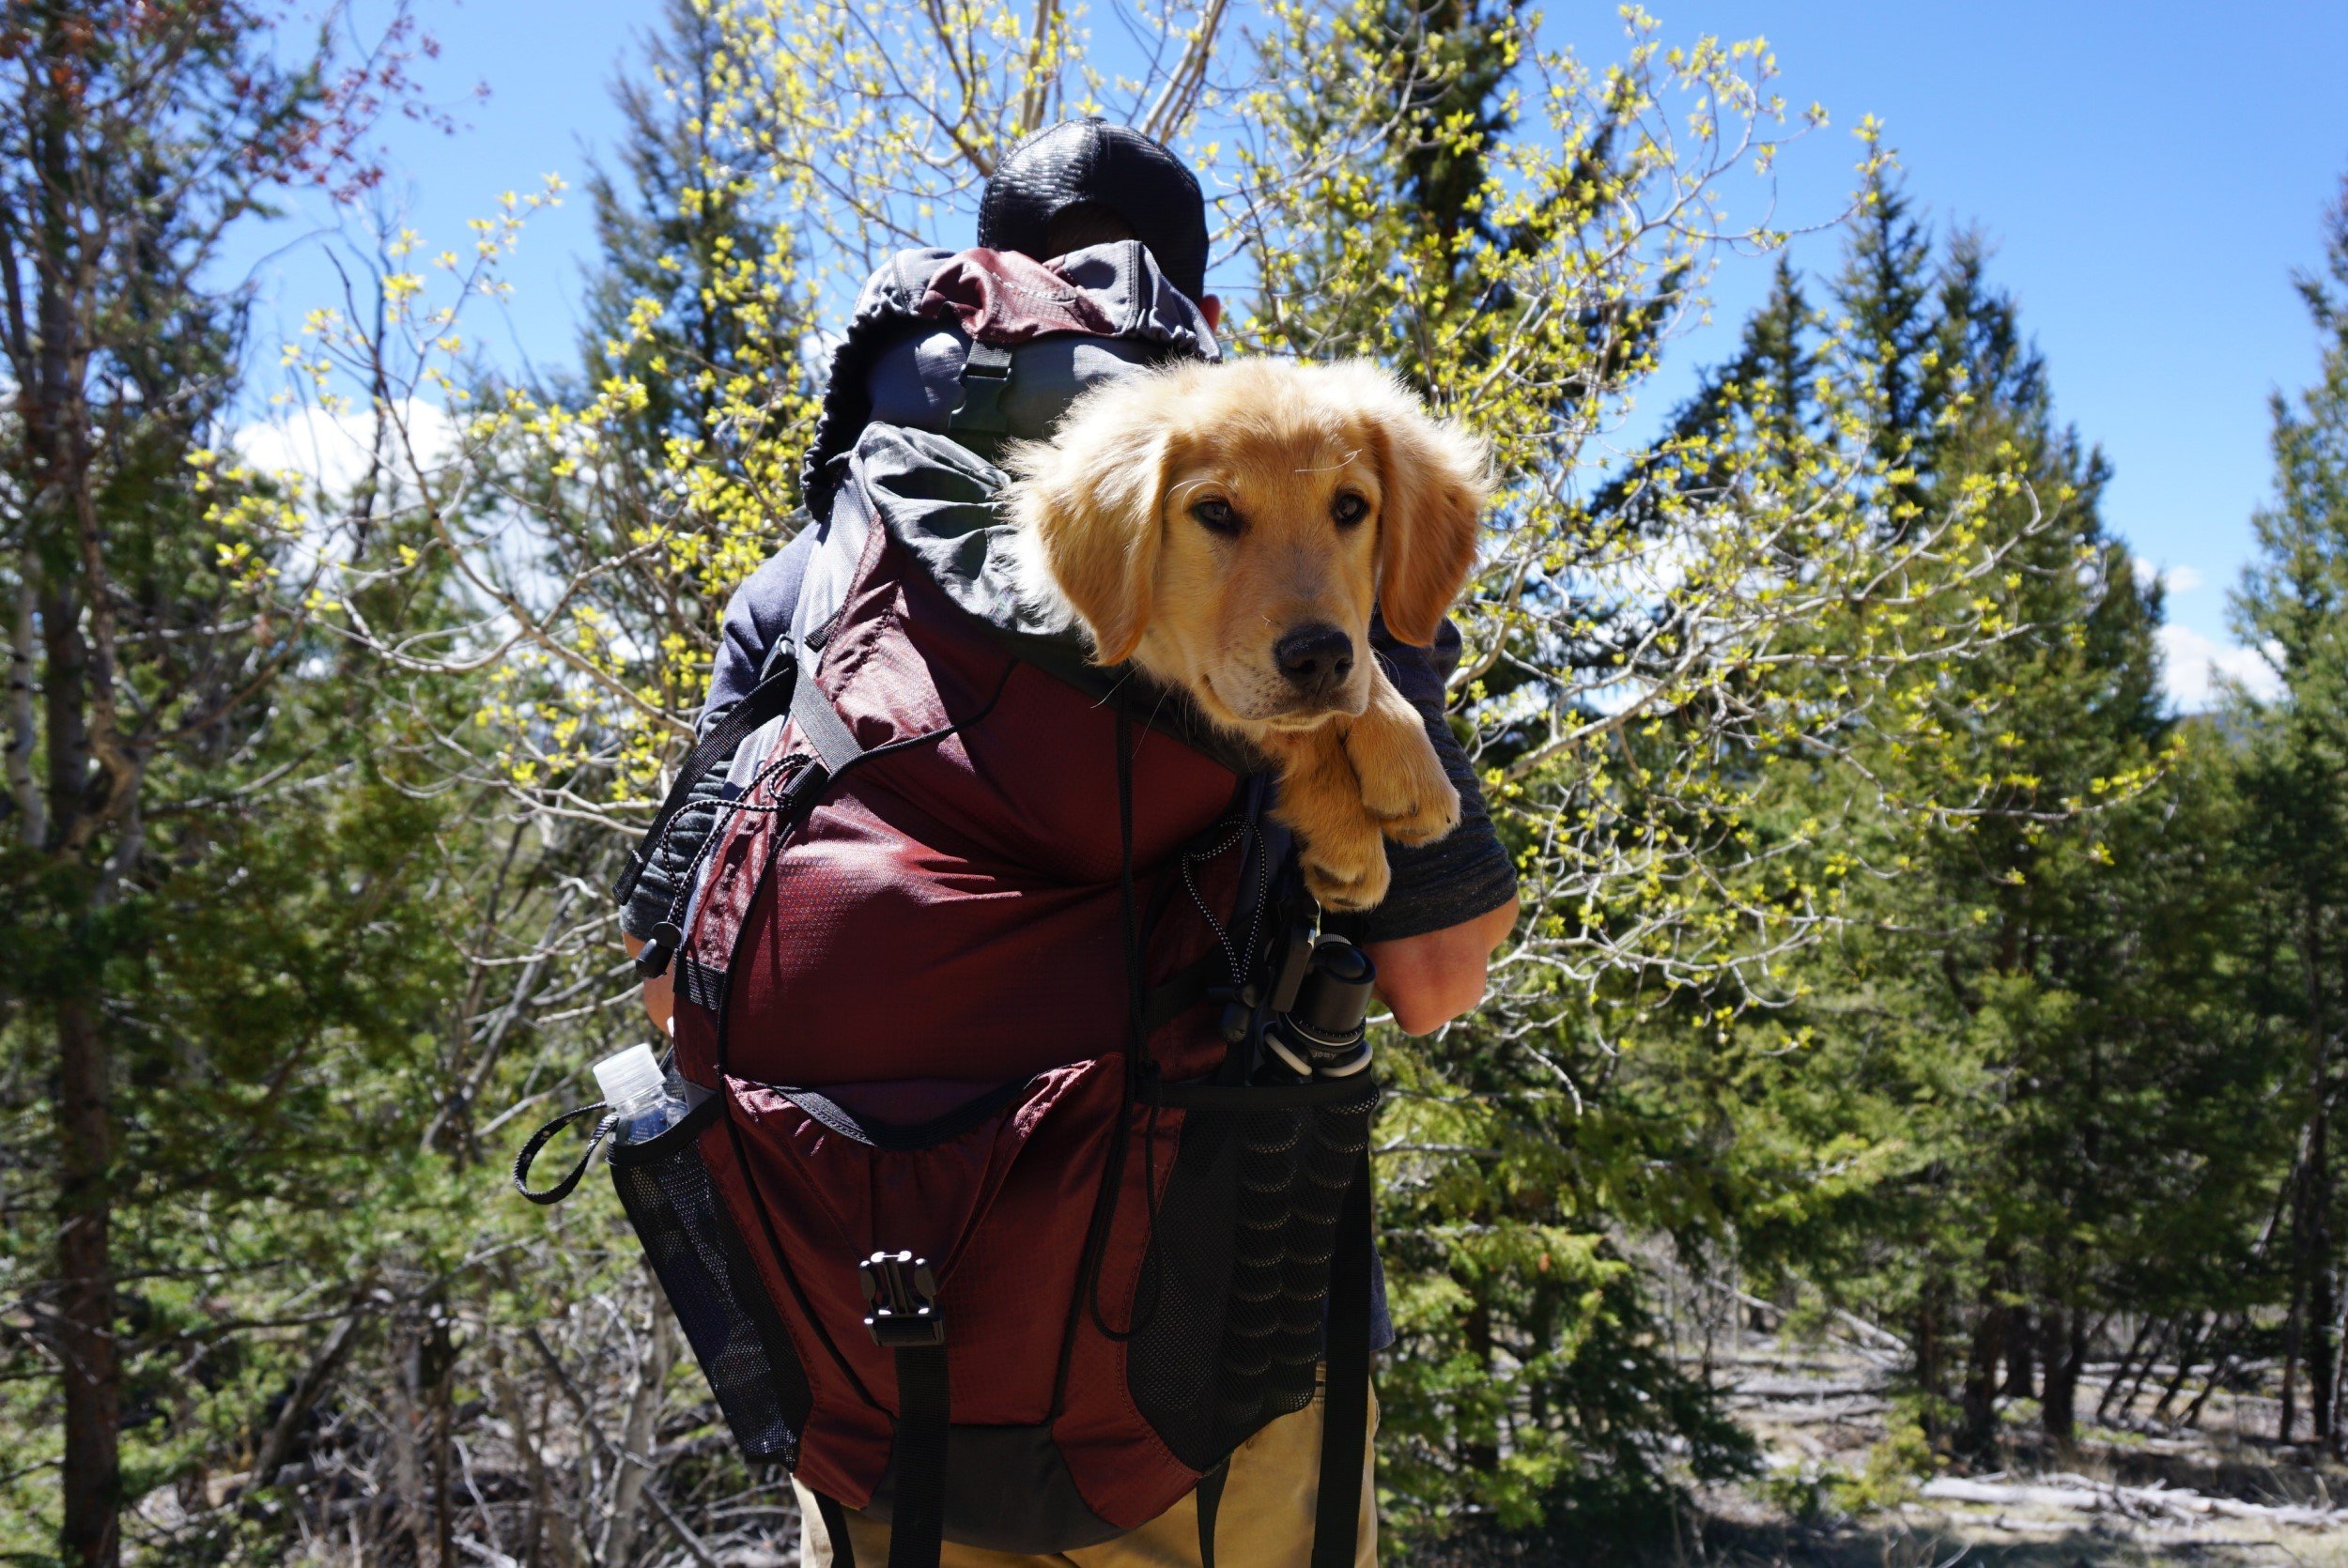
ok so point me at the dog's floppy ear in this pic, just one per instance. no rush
(1090, 499)
(1435, 476)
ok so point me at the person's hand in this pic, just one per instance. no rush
(659, 993)
(1431, 980)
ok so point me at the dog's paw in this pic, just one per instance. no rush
(1404, 787)
(1346, 871)
(1421, 820)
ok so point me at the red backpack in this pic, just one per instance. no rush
(998, 1217)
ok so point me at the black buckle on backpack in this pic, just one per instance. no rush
(985, 376)
(903, 1295)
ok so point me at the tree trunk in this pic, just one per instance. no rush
(2020, 1380)
(1478, 1455)
(1978, 1437)
(2189, 1345)
(90, 1357)
(1930, 1376)
(2322, 1352)
(2063, 1349)
(88, 1352)
(408, 1439)
(524, 1413)
(438, 1369)
(2220, 1371)
(277, 1448)
(2295, 1320)
(639, 1436)
(2315, 1231)
(2334, 1446)
(2128, 1363)
(54, 413)
(2288, 1420)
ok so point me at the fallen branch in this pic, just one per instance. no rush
(2078, 1494)
(1868, 1333)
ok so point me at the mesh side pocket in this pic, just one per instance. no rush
(1231, 1310)
(714, 1288)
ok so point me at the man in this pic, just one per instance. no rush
(1076, 185)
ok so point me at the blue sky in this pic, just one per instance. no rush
(2151, 174)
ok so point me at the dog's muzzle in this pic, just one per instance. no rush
(1316, 660)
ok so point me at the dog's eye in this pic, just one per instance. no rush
(1216, 515)
(1349, 508)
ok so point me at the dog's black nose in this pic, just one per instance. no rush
(1315, 658)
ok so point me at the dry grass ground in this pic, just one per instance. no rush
(1838, 1494)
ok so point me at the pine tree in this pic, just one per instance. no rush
(209, 900)
(2004, 1023)
(2294, 605)
(679, 243)
(1530, 1388)
(1453, 66)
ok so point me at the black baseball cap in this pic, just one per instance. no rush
(1091, 164)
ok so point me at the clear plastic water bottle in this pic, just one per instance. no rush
(646, 1100)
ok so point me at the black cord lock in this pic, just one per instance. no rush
(652, 961)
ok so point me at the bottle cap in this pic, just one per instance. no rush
(631, 1075)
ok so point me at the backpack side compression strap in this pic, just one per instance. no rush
(820, 722)
(1345, 1413)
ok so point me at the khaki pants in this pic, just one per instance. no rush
(1265, 1521)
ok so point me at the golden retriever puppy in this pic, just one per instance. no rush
(1228, 529)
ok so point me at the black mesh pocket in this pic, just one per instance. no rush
(713, 1287)
(1229, 1314)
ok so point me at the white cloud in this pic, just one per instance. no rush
(2193, 668)
(2177, 579)
(332, 450)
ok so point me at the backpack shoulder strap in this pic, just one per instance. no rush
(788, 688)
(770, 699)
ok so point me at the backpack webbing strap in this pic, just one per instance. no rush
(835, 1530)
(726, 736)
(1345, 1410)
(1210, 1501)
(569, 1179)
(917, 1516)
(820, 722)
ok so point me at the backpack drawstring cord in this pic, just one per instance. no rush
(1138, 1066)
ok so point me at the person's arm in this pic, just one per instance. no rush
(757, 617)
(1453, 902)
(1432, 978)
(660, 991)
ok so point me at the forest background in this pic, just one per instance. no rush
(1894, 953)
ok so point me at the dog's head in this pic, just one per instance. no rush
(1229, 528)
